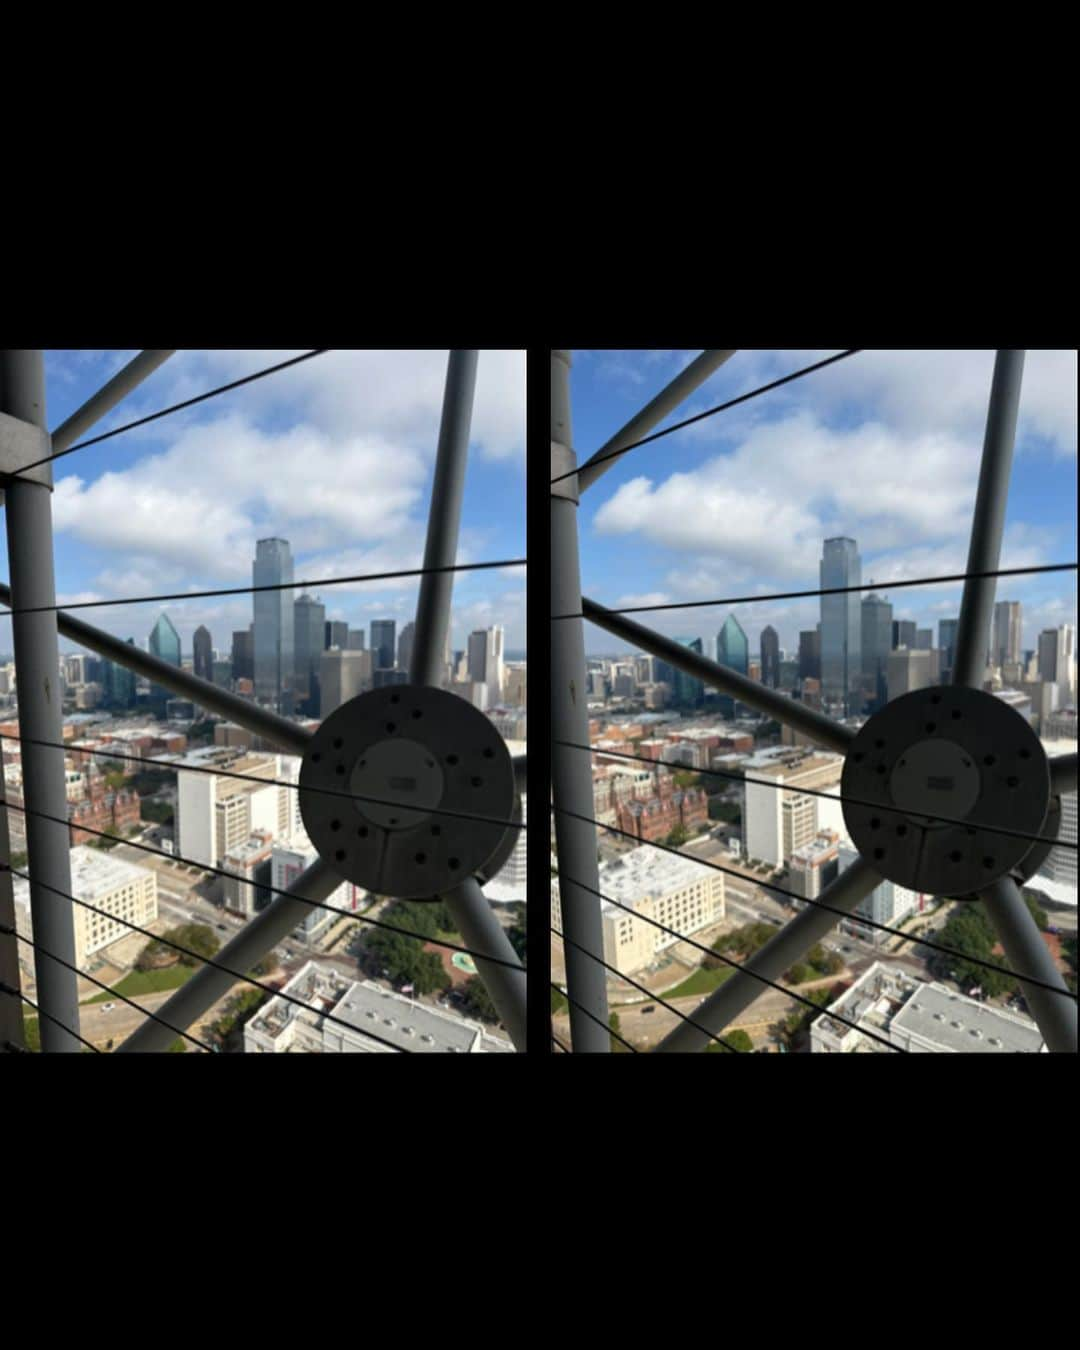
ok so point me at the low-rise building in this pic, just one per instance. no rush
(339, 1014)
(919, 1017)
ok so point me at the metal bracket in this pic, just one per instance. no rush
(22, 443)
(564, 460)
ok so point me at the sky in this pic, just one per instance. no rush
(883, 446)
(335, 455)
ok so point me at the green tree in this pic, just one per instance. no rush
(616, 1045)
(558, 1002)
(738, 1040)
(678, 836)
(478, 1000)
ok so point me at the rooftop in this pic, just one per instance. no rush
(645, 872)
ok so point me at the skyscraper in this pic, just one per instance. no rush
(309, 627)
(689, 692)
(877, 628)
(924, 639)
(382, 643)
(732, 651)
(904, 634)
(164, 644)
(243, 655)
(119, 684)
(1056, 658)
(841, 642)
(203, 648)
(947, 643)
(342, 675)
(356, 642)
(486, 661)
(1005, 642)
(404, 646)
(273, 625)
(770, 658)
(336, 635)
(810, 654)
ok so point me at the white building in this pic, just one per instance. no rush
(919, 1017)
(339, 1013)
(120, 889)
(777, 821)
(289, 858)
(216, 815)
(1057, 876)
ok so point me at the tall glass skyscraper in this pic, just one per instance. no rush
(165, 645)
(273, 624)
(309, 629)
(877, 623)
(119, 684)
(689, 692)
(202, 645)
(770, 657)
(841, 639)
(733, 651)
(382, 643)
(946, 642)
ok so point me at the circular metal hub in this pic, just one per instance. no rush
(953, 752)
(378, 777)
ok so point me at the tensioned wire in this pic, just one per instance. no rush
(250, 778)
(100, 984)
(555, 1038)
(206, 960)
(176, 407)
(711, 412)
(232, 876)
(719, 956)
(663, 1003)
(817, 792)
(314, 584)
(830, 590)
(18, 993)
(581, 1008)
(818, 904)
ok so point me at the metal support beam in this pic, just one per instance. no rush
(988, 522)
(258, 936)
(11, 1008)
(668, 399)
(571, 769)
(791, 944)
(1027, 952)
(521, 777)
(472, 913)
(37, 663)
(444, 521)
(821, 729)
(476, 922)
(287, 736)
(107, 397)
(1063, 774)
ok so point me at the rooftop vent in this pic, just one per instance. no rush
(959, 1026)
(995, 1040)
(976, 1033)
(429, 1039)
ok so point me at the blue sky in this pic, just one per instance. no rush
(335, 455)
(882, 446)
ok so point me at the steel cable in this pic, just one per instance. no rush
(711, 412)
(581, 1008)
(18, 993)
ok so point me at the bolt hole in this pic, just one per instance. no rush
(875, 824)
(436, 830)
(901, 830)
(971, 834)
(430, 763)
(881, 768)
(988, 760)
(340, 855)
(393, 820)
(454, 864)
(477, 782)
(955, 857)
(316, 757)
(338, 743)
(858, 757)
(362, 831)
(1014, 782)
(1025, 754)
(391, 727)
(879, 853)
(340, 769)
(335, 824)
(395, 698)
(451, 759)
(988, 862)
(879, 745)
(421, 857)
(956, 714)
(417, 713)
(931, 727)
(935, 698)
(489, 753)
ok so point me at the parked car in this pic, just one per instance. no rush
(108, 1007)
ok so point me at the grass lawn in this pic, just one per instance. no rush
(147, 982)
(701, 982)
(558, 1002)
(31, 1033)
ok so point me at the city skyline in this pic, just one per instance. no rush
(739, 504)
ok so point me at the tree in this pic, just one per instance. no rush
(678, 836)
(800, 973)
(478, 1001)
(738, 1040)
(558, 1002)
(266, 966)
(616, 1045)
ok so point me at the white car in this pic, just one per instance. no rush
(108, 1007)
